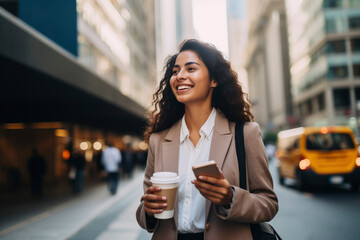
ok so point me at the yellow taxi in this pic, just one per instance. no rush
(319, 155)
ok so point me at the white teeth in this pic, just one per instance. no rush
(183, 87)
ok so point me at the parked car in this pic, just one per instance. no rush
(319, 155)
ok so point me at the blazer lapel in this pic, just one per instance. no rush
(170, 149)
(220, 144)
(170, 155)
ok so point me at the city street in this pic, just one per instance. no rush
(85, 83)
(331, 213)
(315, 215)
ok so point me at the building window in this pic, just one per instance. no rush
(333, 4)
(335, 24)
(354, 23)
(357, 94)
(355, 44)
(305, 108)
(337, 46)
(309, 106)
(335, 72)
(357, 99)
(356, 69)
(341, 98)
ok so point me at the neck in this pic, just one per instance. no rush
(196, 116)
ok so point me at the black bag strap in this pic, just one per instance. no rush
(240, 152)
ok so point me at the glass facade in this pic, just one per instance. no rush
(117, 40)
(355, 45)
(341, 98)
(336, 72)
(354, 23)
(337, 18)
(333, 4)
(326, 57)
(356, 69)
(335, 46)
(335, 22)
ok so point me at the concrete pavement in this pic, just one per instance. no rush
(71, 218)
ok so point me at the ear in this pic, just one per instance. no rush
(213, 83)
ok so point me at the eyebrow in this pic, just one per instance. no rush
(186, 64)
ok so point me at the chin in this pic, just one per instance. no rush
(181, 101)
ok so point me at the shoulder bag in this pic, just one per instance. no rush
(259, 231)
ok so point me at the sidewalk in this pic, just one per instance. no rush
(68, 218)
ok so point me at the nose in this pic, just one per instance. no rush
(181, 75)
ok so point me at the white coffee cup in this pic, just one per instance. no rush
(169, 182)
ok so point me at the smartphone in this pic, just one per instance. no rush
(207, 169)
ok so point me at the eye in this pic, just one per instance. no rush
(191, 68)
(175, 72)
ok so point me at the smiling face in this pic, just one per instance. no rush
(190, 81)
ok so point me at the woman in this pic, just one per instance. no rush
(195, 109)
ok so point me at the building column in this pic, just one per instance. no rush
(330, 108)
(354, 110)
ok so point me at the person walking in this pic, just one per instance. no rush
(128, 160)
(78, 161)
(196, 106)
(111, 159)
(37, 169)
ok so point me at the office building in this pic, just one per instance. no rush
(74, 74)
(237, 38)
(174, 23)
(267, 65)
(324, 40)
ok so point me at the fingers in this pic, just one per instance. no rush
(208, 190)
(153, 189)
(213, 180)
(154, 207)
(212, 196)
(216, 190)
(211, 189)
(153, 203)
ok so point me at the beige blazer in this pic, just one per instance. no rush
(258, 206)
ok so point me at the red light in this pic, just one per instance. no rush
(66, 154)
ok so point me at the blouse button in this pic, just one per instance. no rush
(207, 226)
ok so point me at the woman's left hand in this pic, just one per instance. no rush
(217, 190)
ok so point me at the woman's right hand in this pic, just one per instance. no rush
(153, 203)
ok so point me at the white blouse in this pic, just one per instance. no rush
(191, 204)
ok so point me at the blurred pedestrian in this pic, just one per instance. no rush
(270, 150)
(196, 106)
(128, 160)
(37, 169)
(78, 162)
(111, 159)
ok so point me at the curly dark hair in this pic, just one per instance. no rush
(228, 96)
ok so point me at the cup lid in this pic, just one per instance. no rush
(164, 177)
